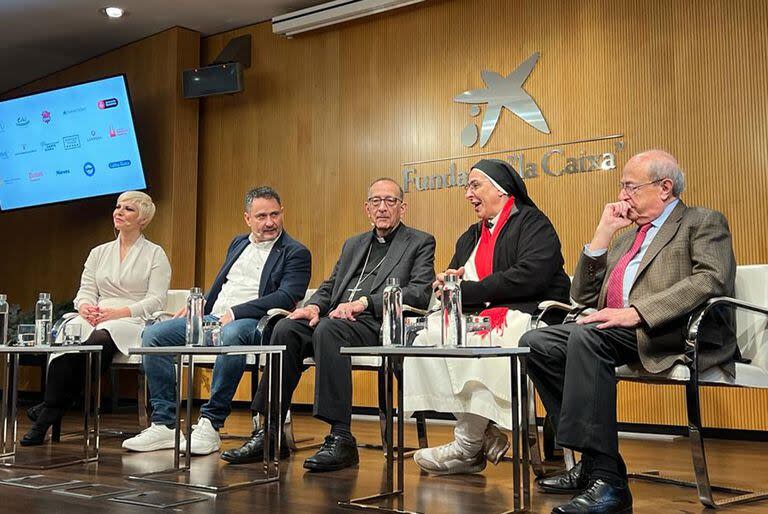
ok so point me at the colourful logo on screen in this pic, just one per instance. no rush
(34, 176)
(46, 116)
(21, 121)
(71, 142)
(107, 104)
(89, 169)
(115, 132)
(119, 164)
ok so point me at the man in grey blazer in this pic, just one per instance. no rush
(645, 283)
(346, 310)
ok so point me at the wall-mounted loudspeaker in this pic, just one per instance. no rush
(217, 79)
(224, 75)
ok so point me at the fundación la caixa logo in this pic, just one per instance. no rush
(507, 93)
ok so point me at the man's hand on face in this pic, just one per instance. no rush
(610, 318)
(437, 285)
(347, 310)
(310, 313)
(615, 217)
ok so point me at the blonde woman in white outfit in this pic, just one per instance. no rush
(124, 281)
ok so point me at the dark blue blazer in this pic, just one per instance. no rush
(284, 279)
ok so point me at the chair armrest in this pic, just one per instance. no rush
(160, 316)
(694, 323)
(273, 316)
(547, 306)
(414, 310)
(66, 317)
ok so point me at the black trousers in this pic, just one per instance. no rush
(333, 372)
(66, 374)
(573, 369)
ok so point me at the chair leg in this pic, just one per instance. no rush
(383, 408)
(537, 464)
(702, 483)
(421, 429)
(142, 400)
(114, 386)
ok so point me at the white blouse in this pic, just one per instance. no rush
(140, 283)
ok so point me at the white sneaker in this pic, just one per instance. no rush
(156, 437)
(205, 438)
(449, 459)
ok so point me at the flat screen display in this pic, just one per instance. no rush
(69, 143)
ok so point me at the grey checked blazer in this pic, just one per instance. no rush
(689, 261)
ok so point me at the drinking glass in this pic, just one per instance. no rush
(72, 333)
(212, 333)
(26, 335)
(480, 327)
(413, 325)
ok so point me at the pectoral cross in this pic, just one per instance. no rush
(353, 291)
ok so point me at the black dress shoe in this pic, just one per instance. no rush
(572, 481)
(600, 497)
(336, 453)
(253, 450)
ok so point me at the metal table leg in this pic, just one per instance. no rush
(90, 452)
(271, 465)
(390, 362)
(7, 444)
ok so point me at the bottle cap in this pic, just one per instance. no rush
(393, 281)
(44, 296)
(451, 278)
(3, 297)
(196, 290)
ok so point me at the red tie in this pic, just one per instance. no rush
(614, 295)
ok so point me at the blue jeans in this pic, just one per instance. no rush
(227, 370)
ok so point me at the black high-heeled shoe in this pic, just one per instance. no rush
(47, 418)
(34, 412)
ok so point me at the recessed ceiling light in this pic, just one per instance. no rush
(113, 12)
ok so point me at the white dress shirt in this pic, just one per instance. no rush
(244, 277)
(634, 264)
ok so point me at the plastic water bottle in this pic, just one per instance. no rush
(392, 327)
(3, 320)
(43, 319)
(195, 334)
(452, 320)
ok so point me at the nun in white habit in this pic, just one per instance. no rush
(507, 263)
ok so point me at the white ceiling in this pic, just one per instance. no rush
(39, 37)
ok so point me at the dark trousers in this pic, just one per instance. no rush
(66, 374)
(333, 371)
(573, 369)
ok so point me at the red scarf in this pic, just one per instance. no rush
(484, 254)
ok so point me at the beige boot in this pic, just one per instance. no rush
(495, 444)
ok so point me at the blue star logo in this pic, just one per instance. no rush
(503, 92)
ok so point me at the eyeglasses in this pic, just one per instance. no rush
(475, 185)
(632, 189)
(389, 201)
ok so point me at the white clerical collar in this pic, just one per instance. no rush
(263, 245)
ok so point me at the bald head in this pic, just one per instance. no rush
(660, 165)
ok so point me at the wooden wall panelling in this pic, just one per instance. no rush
(326, 112)
(45, 247)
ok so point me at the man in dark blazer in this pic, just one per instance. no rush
(346, 310)
(645, 283)
(264, 269)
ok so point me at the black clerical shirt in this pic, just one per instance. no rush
(379, 248)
